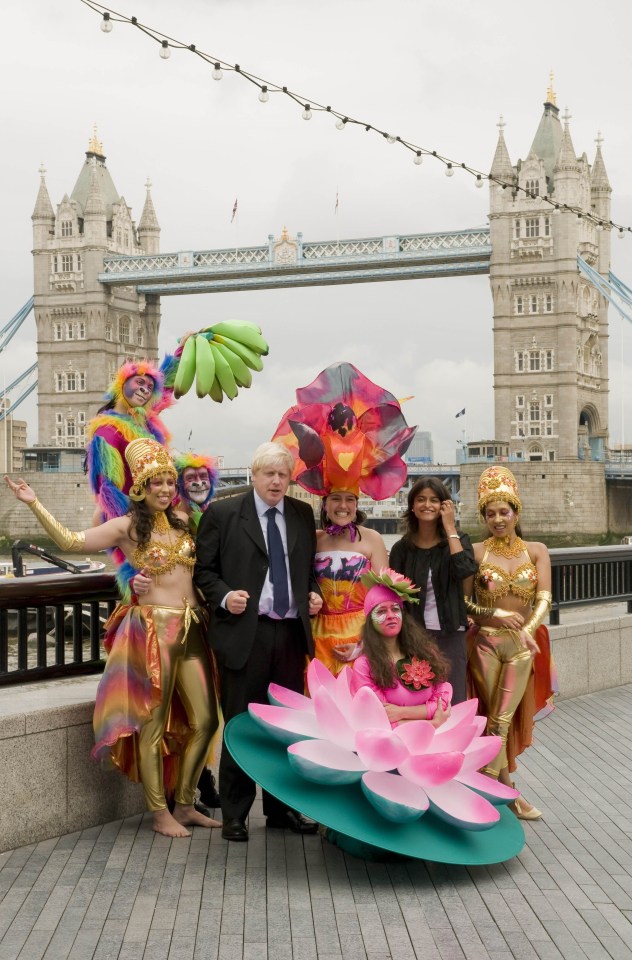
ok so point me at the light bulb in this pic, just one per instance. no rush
(165, 52)
(449, 171)
(217, 72)
(340, 125)
(479, 180)
(557, 208)
(390, 138)
(307, 112)
(621, 234)
(600, 226)
(264, 96)
(106, 23)
(418, 159)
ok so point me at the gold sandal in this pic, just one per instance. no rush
(524, 810)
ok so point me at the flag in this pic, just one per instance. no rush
(336, 207)
(234, 210)
(461, 413)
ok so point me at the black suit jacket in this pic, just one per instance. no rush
(232, 555)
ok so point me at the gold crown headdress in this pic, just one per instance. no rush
(146, 458)
(498, 484)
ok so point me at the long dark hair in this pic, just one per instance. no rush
(413, 642)
(409, 520)
(142, 520)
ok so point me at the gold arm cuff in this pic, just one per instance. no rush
(64, 538)
(543, 600)
(476, 610)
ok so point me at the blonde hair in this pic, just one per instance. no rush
(272, 454)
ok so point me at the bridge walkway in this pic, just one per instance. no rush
(119, 892)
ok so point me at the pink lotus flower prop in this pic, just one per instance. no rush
(336, 737)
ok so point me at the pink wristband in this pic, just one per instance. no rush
(431, 709)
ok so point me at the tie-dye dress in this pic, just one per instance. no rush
(341, 617)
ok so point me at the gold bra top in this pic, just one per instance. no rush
(492, 583)
(158, 557)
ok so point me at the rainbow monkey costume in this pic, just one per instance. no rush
(109, 433)
(195, 492)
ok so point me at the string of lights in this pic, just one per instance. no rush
(342, 120)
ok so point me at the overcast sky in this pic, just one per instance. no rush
(437, 73)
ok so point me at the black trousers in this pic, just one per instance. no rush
(452, 646)
(278, 656)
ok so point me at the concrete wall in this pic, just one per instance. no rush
(620, 507)
(594, 655)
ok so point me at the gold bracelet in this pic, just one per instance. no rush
(476, 610)
(543, 600)
(64, 538)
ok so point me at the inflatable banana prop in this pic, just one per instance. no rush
(220, 359)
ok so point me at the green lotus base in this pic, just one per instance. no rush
(349, 815)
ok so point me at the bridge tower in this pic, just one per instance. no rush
(550, 326)
(85, 331)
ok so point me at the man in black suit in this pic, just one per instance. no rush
(255, 568)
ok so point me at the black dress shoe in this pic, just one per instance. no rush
(203, 809)
(234, 829)
(291, 820)
(208, 789)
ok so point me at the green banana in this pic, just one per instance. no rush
(216, 393)
(186, 369)
(242, 334)
(241, 323)
(250, 358)
(241, 373)
(223, 373)
(204, 365)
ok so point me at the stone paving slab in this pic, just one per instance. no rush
(121, 892)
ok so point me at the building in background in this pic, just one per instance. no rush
(12, 440)
(421, 448)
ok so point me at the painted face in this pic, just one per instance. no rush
(427, 505)
(387, 618)
(138, 389)
(341, 508)
(501, 518)
(196, 483)
(160, 491)
(271, 483)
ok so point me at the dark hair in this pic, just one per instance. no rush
(106, 406)
(413, 642)
(409, 520)
(360, 517)
(482, 510)
(142, 520)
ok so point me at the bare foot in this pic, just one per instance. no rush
(164, 823)
(186, 815)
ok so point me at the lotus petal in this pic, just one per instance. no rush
(284, 725)
(481, 751)
(393, 797)
(490, 788)
(367, 711)
(331, 720)
(431, 770)
(282, 697)
(455, 804)
(460, 713)
(457, 738)
(342, 692)
(416, 734)
(324, 762)
(480, 723)
(380, 750)
(319, 676)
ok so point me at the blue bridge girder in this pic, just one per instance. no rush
(292, 262)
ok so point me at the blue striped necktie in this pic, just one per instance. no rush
(278, 568)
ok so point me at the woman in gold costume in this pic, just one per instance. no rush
(156, 699)
(508, 652)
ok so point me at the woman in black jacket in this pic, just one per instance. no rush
(438, 559)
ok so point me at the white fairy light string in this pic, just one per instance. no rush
(310, 106)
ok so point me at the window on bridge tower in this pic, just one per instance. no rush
(519, 305)
(124, 330)
(533, 188)
(66, 228)
(532, 227)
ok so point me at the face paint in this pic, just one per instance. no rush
(387, 618)
(197, 484)
(138, 389)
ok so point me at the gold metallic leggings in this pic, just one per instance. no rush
(185, 668)
(500, 668)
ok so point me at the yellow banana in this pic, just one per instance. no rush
(186, 369)
(216, 393)
(204, 365)
(250, 358)
(223, 373)
(241, 373)
(242, 334)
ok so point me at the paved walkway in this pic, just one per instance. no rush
(119, 892)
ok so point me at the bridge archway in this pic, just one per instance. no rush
(590, 436)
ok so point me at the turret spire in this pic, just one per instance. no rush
(43, 207)
(501, 164)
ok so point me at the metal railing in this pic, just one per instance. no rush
(53, 626)
(587, 575)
